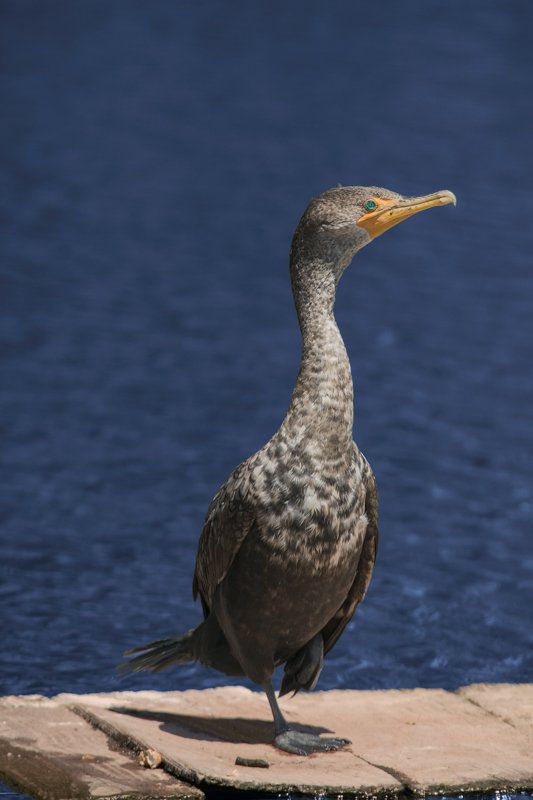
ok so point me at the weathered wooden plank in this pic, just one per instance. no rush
(511, 702)
(435, 741)
(49, 752)
(424, 740)
(201, 734)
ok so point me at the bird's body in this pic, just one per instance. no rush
(289, 541)
(304, 494)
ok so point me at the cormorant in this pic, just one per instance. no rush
(289, 541)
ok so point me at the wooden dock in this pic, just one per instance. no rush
(182, 744)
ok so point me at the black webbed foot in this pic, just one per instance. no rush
(303, 744)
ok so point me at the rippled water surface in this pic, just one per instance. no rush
(156, 158)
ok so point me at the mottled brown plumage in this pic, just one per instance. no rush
(289, 541)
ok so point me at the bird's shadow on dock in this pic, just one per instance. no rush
(227, 729)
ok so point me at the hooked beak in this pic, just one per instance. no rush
(390, 212)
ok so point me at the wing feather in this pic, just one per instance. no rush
(229, 519)
(336, 626)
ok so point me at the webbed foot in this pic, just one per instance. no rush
(303, 744)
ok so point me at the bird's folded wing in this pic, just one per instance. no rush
(358, 589)
(228, 521)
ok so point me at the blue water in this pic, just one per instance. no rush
(156, 158)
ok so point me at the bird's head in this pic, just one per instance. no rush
(339, 222)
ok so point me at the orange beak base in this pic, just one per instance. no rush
(390, 212)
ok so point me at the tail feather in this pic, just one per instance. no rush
(160, 654)
(206, 644)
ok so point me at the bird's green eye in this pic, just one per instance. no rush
(371, 205)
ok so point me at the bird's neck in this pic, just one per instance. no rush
(321, 410)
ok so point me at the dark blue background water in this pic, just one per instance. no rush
(156, 158)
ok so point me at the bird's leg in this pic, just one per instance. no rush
(292, 741)
(280, 723)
